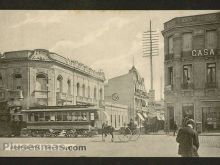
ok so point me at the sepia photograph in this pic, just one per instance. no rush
(104, 83)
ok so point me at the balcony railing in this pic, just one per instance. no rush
(187, 86)
(211, 85)
(169, 88)
(61, 96)
(83, 99)
(69, 97)
(40, 94)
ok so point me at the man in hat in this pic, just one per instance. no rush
(188, 140)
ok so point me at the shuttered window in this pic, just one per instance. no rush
(187, 41)
(170, 45)
(211, 39)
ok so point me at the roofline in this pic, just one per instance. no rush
(192, 16)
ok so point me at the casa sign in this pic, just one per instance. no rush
(203, 52)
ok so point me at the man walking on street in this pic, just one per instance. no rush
(174, 128)
(188, 140)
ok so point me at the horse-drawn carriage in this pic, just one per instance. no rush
(131, 132)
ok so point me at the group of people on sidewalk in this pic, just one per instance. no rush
(187, 137)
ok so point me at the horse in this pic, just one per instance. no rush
(106, 130)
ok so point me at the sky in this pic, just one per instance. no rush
(107, 40)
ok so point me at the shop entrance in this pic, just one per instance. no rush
(211, 119)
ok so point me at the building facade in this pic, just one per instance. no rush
(192, 70)
(116, 115)
(129, 90)
(43, 78)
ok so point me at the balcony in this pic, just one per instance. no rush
(41, 94)
(15, 94)
(83, 99)
(188, 86)
(69, 97)
(61, 96)
(211, 85)
(169, 88)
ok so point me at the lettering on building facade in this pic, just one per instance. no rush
(203, 52)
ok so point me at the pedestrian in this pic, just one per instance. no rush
(175, 128)
(188, 140)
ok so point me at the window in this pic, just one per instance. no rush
(95, 93)
(101, 94)
(59, 116)
(17, 81)
(64, 116)
(211, 39)
(92, 116)
(188, 111)
(119, 120)
(211, 73)
(69, 87)
(88, 91)
(170, 75)
(59, 84)
(78, 89)
(187, 41)
(41, 82)
(187, 74)
(83, 90)
(170, 45)
(1, 81)
(115, 121)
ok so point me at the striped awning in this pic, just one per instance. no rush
(140, 116)
(145, 115)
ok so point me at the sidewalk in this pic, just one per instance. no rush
(209, 134)
(171, 133)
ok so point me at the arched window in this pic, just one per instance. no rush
(88, 91)
(69, 87)
(41, 82)
(95, 93)
(59, 83)
(17, 81)
(1, 81)
(101, 94)
(78, 89)
(83, 90)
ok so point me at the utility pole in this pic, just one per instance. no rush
(150, 49)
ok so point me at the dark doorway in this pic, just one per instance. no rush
(171, 117)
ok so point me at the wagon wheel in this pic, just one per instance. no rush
(135, 134)
(124, 134)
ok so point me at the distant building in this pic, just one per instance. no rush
(43, 78)
(192, 70)
(129, 90)
(115, 115)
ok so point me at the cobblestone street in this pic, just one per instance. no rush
(145, 146)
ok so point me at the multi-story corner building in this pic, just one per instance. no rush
(43, 78)
(129, 90)
(192, 69)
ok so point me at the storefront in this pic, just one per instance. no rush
(211, 117)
